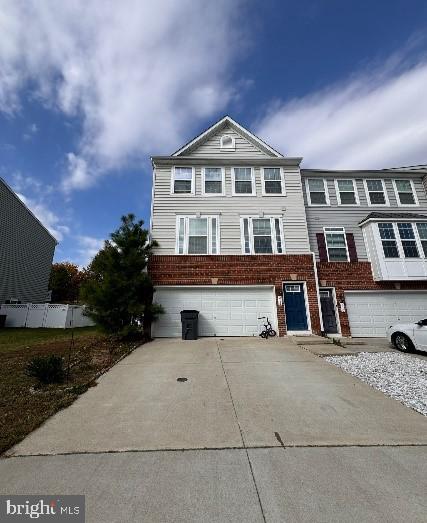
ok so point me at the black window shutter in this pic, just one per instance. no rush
(351, 247)
(321, 245)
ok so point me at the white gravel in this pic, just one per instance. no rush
(401, 376)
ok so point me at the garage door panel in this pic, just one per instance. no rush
(223, 311)
(370, 314)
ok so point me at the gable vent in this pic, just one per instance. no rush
(228, 142)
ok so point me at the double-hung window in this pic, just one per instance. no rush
(336, 244)
(262, 235)
(346, 192)
(197, 235)
(407, 238)
(388, 240)
(272, 181)
(376, 193)
(317, 192)
(405, 193)
(243, 181)
(213, 181)
(422, 233)
(183, 180)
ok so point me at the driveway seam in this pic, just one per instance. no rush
(241, 434)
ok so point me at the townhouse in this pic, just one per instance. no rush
(244, 233)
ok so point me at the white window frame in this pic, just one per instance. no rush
(338, 193)
(193, 180)
(209, 194)
(186, 218)
(282, 181)
(338, 230)
(253, 193)
(398, 239)
(232, 147)
(251, 235)
(325, 187)
(414, 193)
(368, 200)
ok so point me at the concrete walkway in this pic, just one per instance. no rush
(291, 437)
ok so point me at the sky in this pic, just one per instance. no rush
(90, 89)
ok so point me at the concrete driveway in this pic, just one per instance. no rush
(259, 431)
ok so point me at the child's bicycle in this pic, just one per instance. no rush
(268, 329)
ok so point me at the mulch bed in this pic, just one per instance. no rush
(25, 404)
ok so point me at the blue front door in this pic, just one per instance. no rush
(295, 310)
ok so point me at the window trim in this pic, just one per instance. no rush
(233, 193)
(186, 218)
(209, 195)
(193, 180)
(355, 190)
(272, 217)
(341, 229)
(325, 186)
(233, 142)
(398, 239)
(368, 200)
(282, 181)
(414, 193)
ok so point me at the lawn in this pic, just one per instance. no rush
(24, 402)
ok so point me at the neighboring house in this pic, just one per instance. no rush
(243, 233)
(368, 230)
(26, 251)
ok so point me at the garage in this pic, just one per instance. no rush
(371, 313)
(224, 311)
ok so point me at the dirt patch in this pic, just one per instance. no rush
(25, 404)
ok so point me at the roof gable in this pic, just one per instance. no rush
(210, 138)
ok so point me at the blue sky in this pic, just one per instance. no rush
(89, 90)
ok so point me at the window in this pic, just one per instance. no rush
(272, 180)
(243, 181)
(262, 235)
(317, 193)
(336, 244)
(183, 180)
(197, 235)
(422, 233)
(228, 142)
(346, 192)
(376, 193)
(407, 237)
(388, 240)
(213, 181)
(405, 192)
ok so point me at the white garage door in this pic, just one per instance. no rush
(371, 313)
(231, 311)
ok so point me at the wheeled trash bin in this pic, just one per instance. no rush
(190, 325)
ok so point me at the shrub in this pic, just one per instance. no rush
(47, 369)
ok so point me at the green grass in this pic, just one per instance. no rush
(13, 339)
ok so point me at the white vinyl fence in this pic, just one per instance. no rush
(50, 315)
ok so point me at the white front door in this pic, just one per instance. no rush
(224, 311)
(371, 313)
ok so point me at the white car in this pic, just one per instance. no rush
(409, 336)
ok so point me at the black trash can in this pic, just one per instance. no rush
(2, 321)
(190, 325)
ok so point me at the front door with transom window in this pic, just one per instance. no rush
(295, 307)
(328, 311)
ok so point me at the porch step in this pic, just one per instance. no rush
(312, 340)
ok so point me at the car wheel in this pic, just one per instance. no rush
(403, 343)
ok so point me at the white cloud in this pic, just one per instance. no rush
(49, 219)
(88, 247)
(141, 74)
(376, 119)
(30, 132)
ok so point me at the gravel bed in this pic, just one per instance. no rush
(400, 376)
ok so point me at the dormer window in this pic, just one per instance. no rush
(228, 142)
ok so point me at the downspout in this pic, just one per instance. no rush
(317, 292)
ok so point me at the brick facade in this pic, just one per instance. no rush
(356, 276)
(240, 270)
